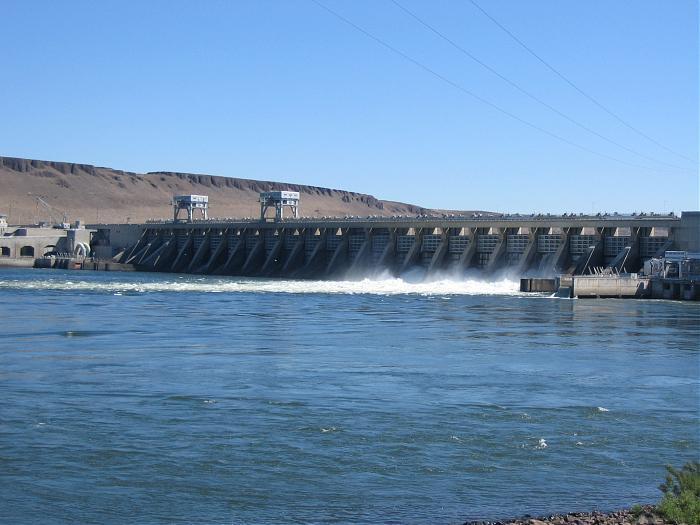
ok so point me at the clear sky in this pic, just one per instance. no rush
(287, 91)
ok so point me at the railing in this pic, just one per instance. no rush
(429, 218)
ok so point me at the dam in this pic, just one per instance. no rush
(333, 247)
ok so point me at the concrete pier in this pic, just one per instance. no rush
(537, 285)
(603, 286)
(634, 286)
(534, 246)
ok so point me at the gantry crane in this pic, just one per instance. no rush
(51, 211)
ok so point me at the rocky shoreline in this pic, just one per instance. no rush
(642, 516)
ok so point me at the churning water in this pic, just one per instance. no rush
(132, 398)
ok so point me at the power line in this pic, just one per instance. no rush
(581, 91)
(472, 94)
(526, 92)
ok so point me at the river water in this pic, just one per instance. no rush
(153, 398)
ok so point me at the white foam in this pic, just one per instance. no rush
(541, 444)
(602, 409)
(372, 286)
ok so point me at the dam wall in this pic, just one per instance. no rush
(536, 246)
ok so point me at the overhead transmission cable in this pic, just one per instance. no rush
(466, 91)
(526, 92)
(577, 88)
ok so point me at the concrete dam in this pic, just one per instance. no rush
(346, 247)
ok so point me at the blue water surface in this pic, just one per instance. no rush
(145, 398)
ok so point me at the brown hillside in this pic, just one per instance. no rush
(96, 194)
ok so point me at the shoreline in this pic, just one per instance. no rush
(646, 515)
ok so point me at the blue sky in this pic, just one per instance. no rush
(284, 90)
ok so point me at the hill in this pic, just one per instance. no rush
(98, 194)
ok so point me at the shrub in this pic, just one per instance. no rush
(637, 510)
(681, 500)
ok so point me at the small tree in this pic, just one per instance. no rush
(681, 500)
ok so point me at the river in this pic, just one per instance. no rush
(156, 398)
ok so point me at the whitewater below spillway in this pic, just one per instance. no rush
(148, 398)
(379, 285)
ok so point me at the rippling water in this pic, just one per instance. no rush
(144, 398)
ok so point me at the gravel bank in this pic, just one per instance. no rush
(621, 517)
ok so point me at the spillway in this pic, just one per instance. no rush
(541, 245)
